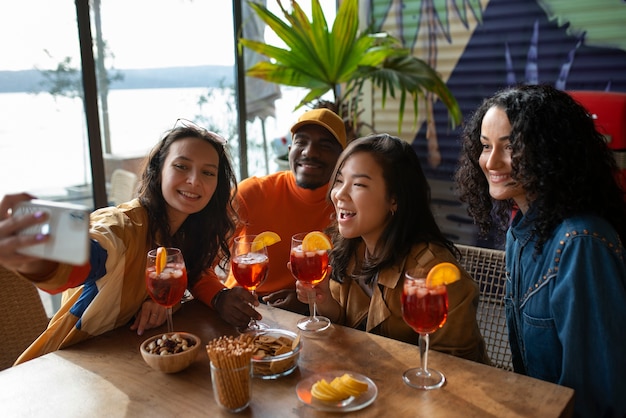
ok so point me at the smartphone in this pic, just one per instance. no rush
(68, 227)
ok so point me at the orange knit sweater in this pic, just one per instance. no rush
(275, 203)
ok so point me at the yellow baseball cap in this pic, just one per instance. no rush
(325, 118)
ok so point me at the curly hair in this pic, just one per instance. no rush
(560, 159)
(204, 235)
(413, 221)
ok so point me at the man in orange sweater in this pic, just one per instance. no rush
(287, 202)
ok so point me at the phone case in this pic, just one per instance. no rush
(68, 227)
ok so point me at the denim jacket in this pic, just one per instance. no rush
(566, 310)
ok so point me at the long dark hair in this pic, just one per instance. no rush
(204, 235)
(413, 221)
(560, 159)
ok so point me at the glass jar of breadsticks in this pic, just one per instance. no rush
(231, 371)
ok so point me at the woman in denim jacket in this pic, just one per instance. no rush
(532, 151)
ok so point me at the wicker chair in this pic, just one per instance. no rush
(487, 267)
(22, 316)
(123, 185)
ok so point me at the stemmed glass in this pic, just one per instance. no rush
(166, 279)
(311, 268)
(425, 310)
(250, 265)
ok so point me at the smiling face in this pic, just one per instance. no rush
(188, 178)
(312, 156)
(362, 205)
(495, 159)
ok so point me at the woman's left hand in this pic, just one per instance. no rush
(151, 315)
(321, 289)
(286, 299)
(11, 241)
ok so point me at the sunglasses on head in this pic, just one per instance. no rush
(186, 123)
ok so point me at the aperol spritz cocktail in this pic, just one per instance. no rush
(250, 265)
(311, 267)
(250, 270)
(425, 309)
(166, 278)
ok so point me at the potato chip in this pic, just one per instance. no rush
(266, 347)
(271, 346)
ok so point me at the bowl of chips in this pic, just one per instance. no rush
(276, 353)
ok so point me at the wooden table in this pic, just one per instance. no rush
(106, 376)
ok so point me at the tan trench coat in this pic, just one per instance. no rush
(460, 335)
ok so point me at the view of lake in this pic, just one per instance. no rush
(138, 118)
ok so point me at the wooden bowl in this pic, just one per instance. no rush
(167, 362)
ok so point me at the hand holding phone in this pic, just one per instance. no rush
(67, 226)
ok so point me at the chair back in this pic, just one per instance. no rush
(123, 185)
(22, 316)
(487, 267)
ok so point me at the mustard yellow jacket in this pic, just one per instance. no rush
(460, 335)
(95, 303)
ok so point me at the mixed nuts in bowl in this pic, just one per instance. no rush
(170, 352)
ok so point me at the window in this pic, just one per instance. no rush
(161, 62)
(156, 62)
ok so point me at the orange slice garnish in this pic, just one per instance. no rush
(264, 239)
(161, 260)
(441, 274)
(316, 240)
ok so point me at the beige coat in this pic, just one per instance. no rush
(460, 335)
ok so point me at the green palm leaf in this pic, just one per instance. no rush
(322, 59)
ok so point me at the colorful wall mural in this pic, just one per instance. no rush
(571, 44)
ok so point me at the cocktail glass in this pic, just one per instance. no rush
(250, 265)
(166, 284)
(425, 310)
(309, 267)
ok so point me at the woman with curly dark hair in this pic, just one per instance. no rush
(535, 152)
(383, 227)
(184, 201)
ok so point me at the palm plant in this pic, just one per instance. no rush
(342, 60)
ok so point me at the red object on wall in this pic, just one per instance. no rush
(609, 112)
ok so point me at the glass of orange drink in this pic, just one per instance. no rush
(309, 264)
(166, 279)
(425, 309)
(250, 265)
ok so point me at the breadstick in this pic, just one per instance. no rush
(228, 356)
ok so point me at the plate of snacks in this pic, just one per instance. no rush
(337, 391)
(276, 353)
